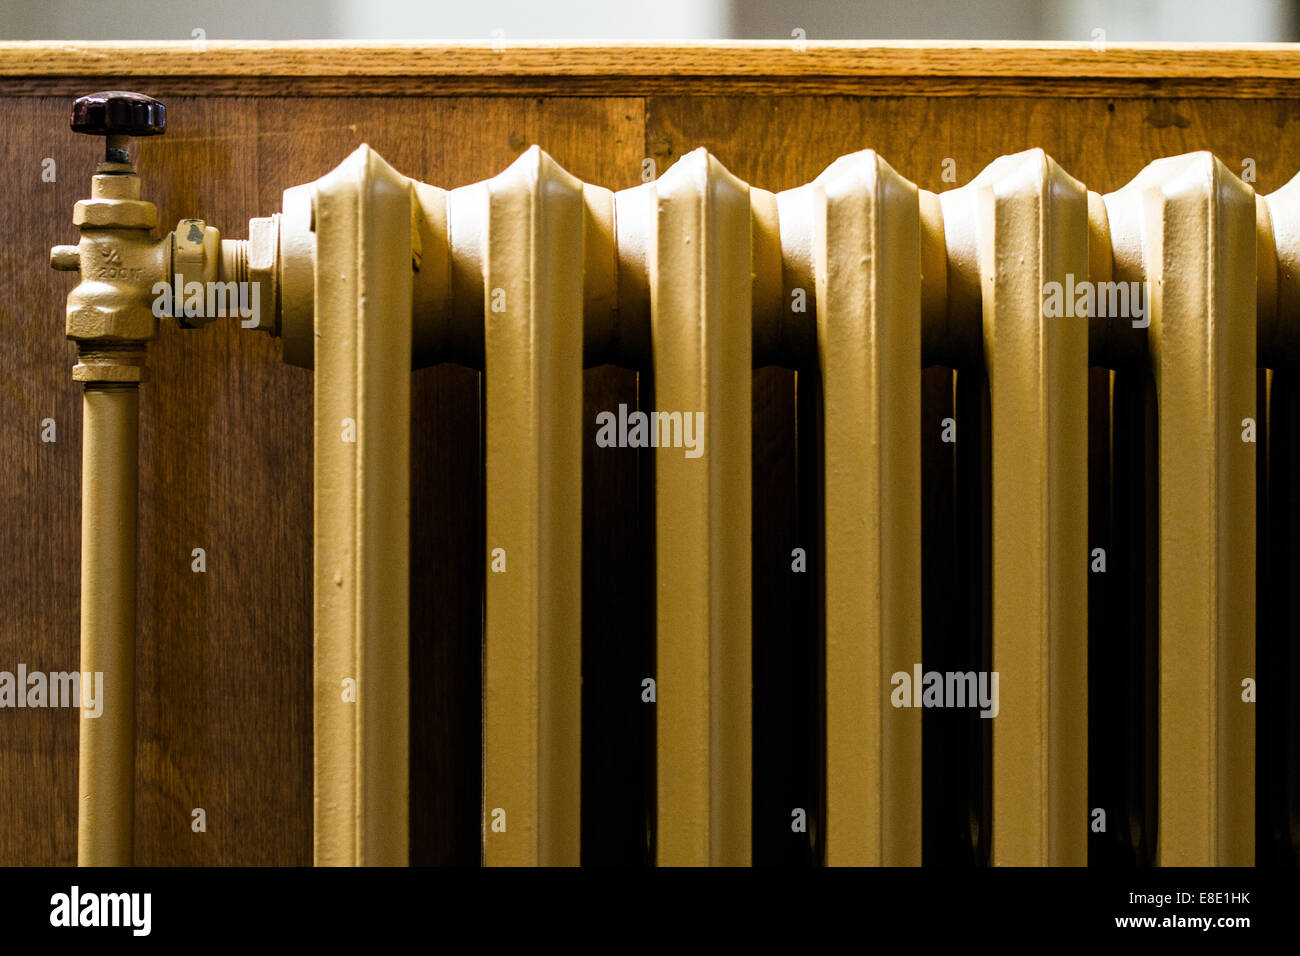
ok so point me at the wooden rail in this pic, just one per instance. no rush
(931, 68)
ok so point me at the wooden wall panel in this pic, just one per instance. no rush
(779, 142)
(224, 657)
(40, 489)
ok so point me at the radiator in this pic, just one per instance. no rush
(861, 280)
(1097, 364)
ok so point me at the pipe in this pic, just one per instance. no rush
(109, 482)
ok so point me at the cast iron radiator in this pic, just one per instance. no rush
(1045, 434)
(1172, 293)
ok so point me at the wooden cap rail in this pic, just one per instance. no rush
(217, 67)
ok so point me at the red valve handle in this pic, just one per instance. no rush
(118, 113)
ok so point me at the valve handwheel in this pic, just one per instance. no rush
(118, 114)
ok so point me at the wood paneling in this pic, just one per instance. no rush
(224, 657)
(778, 142)
(40, 489)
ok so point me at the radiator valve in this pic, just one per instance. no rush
(130, 280)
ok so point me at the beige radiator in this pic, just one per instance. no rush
(1021, 279)
(1087, 354)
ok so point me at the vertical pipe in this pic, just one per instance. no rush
(1025, 225)
(533, 336)
(363, 292)
(106, 752)
(700, 289)
(1187, 225)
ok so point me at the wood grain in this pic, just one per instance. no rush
(224, 657)
(40, 496)
(506, 85)
(677, 59)
(929, 68)
(779, 142)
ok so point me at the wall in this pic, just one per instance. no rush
(224, 657)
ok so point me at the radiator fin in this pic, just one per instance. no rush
(866, 252)
(533, 303)
(1027, 220)
(699, 269)
(1190, 224)
(362, 513)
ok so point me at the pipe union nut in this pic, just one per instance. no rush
(263, 259)
(196, 257)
